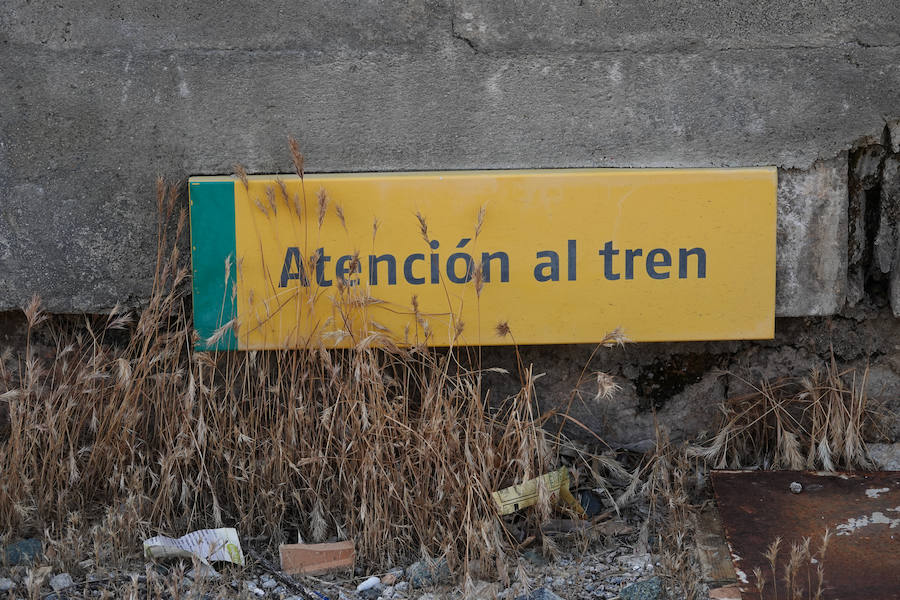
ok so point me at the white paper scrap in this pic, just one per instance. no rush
(207, 545)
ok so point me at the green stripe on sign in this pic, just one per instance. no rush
(212, 246)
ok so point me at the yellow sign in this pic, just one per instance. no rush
(484, 258)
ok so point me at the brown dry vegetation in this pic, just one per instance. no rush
(123, 430)
(398, 449)
(816, 422)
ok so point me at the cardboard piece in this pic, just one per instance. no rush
(315, 559)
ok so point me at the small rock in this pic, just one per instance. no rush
(388, 592)
(372, 593)
(649, 589)
(389, 579)
(6, 584)
(796, 487)
(251, 587)
(422, 573)
(401, 586)
(484, 590)
(267, 582)
(635, 562)
(535, 558)
(63, 580)
(886, 456)
(368, 584)
(23, 551)
(539, 594)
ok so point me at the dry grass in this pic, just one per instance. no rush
(816, 422)
(798, 574)
(672, 490)
(124, 426)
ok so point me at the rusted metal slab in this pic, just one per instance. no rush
(861, 510)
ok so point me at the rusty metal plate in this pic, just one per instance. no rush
(861, 510)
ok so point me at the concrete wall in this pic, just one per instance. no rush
(97, 98)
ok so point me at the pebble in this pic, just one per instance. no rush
(22, 552)
(401, 586)
(535, 558)
(540, 594)
(635, 562)
(421, 573)
(649, 589)
(6, 584)
(372, 593)
(251, 587)
(63, 580)
(267, 582)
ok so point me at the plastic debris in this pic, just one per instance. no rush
(517, 497)
(207, 545)
(591, 503)
(368, 584)
(315, 559)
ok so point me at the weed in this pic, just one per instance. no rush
(130, 429)
(816, 422)
(802, 571)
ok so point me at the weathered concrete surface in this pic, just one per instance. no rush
(97, 99)
(811, 263)
(864, 182)
(685, 384)
(888, 240)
